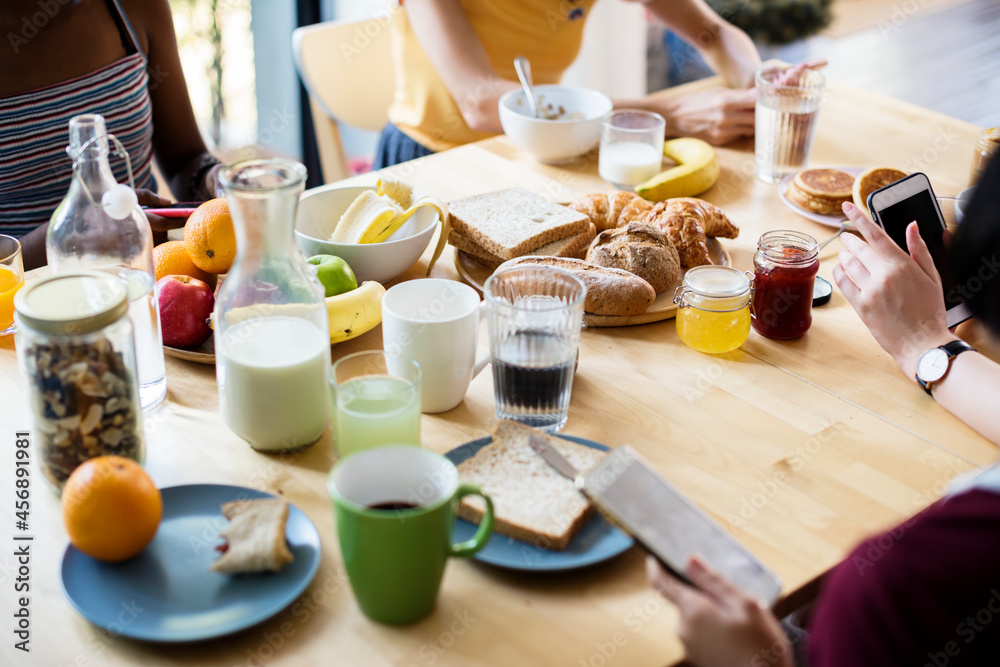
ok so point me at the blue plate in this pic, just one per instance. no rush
(597, 542)
(168, 594)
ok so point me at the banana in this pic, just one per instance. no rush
(400, 192)
(367, 215)
(356, 312)
(697, 170)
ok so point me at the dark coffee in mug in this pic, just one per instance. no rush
(393, 505)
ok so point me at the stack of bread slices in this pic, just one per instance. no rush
(502, 225)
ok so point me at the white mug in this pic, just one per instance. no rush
(435, 322)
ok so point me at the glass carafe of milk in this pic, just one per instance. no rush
(272, 340)
(100, 226)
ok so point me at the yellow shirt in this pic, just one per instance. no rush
(547, 32)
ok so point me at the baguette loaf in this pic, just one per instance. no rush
(531, 502)
(609, 291)
(514, 222)
(571, 246)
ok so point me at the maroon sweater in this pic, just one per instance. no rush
(925, 594)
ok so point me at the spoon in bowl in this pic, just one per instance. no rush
(523, 69)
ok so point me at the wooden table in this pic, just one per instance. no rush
(801, 448)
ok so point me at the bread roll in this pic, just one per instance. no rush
(616, 209)
(641, 249)
(609, 291)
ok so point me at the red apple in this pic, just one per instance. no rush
(186, 303)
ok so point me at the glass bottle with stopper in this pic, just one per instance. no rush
(100, 226)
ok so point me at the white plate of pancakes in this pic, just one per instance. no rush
(817, 193)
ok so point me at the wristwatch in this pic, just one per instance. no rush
(935, 363)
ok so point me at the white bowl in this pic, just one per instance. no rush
(321, 208)
(555, 141)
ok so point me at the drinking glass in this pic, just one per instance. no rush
(11, 280)
(534, 315)
(785, 119)
(631, 147)
(376, 401)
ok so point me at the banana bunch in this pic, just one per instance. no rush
(356, 312)
(697, 170)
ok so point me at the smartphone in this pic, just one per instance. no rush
(897, 205)
(625, 489)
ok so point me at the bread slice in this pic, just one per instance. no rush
(571, 246)
(255, 537)
(514, 222)
(531, 501)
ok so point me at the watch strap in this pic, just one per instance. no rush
(952, 349)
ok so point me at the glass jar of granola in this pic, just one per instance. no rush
(77, 355)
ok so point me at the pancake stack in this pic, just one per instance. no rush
(821, 191)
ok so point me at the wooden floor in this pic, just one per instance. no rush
(948, 60)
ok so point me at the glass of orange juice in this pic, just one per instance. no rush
(11, 279)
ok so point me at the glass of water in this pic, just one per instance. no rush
(376, 401)
(534, 315)
(785, 119)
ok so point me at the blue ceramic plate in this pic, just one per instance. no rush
(597, 542)
(168, 594)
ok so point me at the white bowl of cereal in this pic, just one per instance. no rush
(568, 126)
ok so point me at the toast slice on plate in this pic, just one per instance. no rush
(531, 501)
(255, 537)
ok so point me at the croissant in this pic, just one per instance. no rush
(711, 217)
(682, 225)
(611, 210)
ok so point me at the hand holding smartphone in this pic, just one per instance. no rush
(911, 199)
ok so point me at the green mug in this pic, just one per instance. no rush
(395, 508)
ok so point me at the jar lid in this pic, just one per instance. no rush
(72, 303)
(716, 281)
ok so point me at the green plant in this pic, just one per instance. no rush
(776, 22)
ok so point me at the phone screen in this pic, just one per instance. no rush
(921, 207)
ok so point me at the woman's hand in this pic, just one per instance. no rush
(897, 296)
(156, 222)
(717, 115)
(721, 626)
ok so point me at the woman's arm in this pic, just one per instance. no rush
(447, 37)
(177, 143)
(898, 297)
(717, 115)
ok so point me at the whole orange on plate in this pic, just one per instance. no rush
(172, 259)
(209, 237)
(111, 508)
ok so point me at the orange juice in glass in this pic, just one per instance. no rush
(11, 279)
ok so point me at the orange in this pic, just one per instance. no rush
(111, 508)
(171, 259)
(209, 237)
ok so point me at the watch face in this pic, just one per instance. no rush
(933, 365)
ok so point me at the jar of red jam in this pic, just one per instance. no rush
(785, 268)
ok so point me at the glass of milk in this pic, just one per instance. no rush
(272, 339)
(631, 147)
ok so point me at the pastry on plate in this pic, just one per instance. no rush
(822, 191)
(871, 180)
(615, 209)
(687, 221)
(255, 537)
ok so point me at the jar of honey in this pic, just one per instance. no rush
(713, 308)
(987, 144)
(785, 268)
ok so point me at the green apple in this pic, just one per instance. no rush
(334, 273)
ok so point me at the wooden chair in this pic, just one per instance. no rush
(346, 67)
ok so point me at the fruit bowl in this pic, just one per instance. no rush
(321, 208)
(560, 140)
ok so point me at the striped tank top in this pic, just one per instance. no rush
(35, 171)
